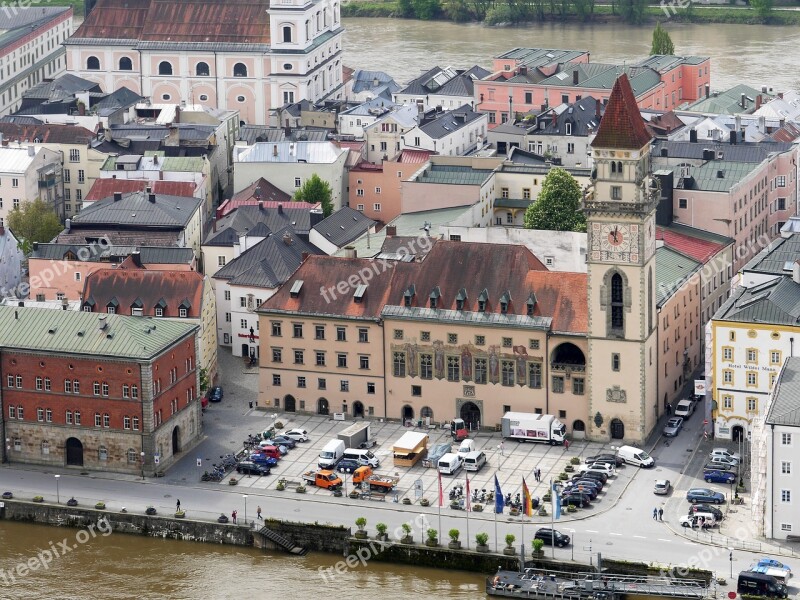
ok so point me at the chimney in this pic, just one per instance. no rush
(64, 304)
(287, 239)
(575, 77)
(117, 196)
(177, 115)
(732, 136)
(350, 252)
(391, 230)
(136, 258)
(280, 209)
(2, 231)
(758, 102)
(68, 225)
(738, 122)
(598, 109)
(151, 198)
(780, 95)
(693, 135)
(260, 205)
(762, 124)
(304, 256)
(31, 151)
(708, 90)
(16, 315)
(743, 102)
(148, 189)
(796, 271)
(155, 159)
(81, 109)
(275, 150)
(35, 246)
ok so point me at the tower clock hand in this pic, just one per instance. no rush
(614, 233)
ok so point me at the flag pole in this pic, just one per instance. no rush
(496, 541)
(552, 516)
(468, 506)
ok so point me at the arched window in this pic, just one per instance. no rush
(240, 70)
(102, 453)
(426, 413)
(617, 305)
(613, 167)
(93, 63)
(287, 34)
(619, 167)
(201, 69)
(45, 447)
(125, 64)
(164, 68)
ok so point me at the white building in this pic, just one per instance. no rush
(451, 133)
(448, 88)
(383, 137)
(776, 456)
(353, 120)
(28, 172)
(30, 49)
(10, 265)
(250, 56)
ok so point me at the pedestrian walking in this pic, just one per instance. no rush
(233, 517)
(538, 474)
(258, 514)
(660, 514)
(655, 515)
(502, 449)
(178, 505)
(566, 444)
(669, 408)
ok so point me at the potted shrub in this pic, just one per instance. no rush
(424, 502)
(477, 507)
(575, 460)
(569, 469)
(361, 534)
(72, 502)
(407, 537)
(571, 508)
(381, 529)
(454, 543)
(537, 548)
(100, 505)
(547, 497)
(563, 476)
(300, 489)
(514, 511)
(233, 481)
(542, 511)
(281, 486)
(179, 514)
(38, 499)
(337, 492)
(509, 550)
(433, 537)
(480, 540)
(279, 425)
(354, 494)
(150, 511)
(406, 500)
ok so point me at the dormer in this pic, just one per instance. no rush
(358, 295)
(183, 308)
(461, 299)
(434, 297)
(160, 309)
(296, 287)
(408, 296)
(505, 300)
(89, 304)
(483, 299)
(112, 306)
(530, 304)
(137, 308)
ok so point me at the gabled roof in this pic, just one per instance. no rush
(622, 126)
(290, 152)
(114, 254)
(269, 263)
(374, 107)
(51, 134)
(144, 288)
(63, 87)
(343, 226)
(672, 269)
(774, 302)
(695, 243)
(105, 188)
(135, 209)
(17, 21)
(784, 409)
(448, 122)
(581, 115)
(778, 258)
(246, 220)
(743, 152)
(729, 101)
(445, 82)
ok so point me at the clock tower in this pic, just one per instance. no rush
(620, 214)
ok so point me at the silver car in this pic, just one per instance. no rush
(673, 427)
(662, 487)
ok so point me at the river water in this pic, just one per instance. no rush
(751, 54)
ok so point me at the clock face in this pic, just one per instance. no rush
(615, 238)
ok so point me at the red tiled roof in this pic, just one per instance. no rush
(365, 166)
(228, 21)
(622, 126)
(699, 249)
(788, 133)
(105, 188)
(151, 287)
(414, 156)
(351, 145)
(450, 266)
(262, 191)
(46, 133)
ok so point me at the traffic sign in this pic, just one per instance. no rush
(199, 462)
(731, 595)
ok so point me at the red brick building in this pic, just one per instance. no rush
(96, 391)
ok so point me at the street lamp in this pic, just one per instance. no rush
(730, 556)
(555, 491)
(572, 531)
(142, 455)
(245, 508)
(58, 495)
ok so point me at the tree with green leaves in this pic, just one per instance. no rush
(34, 222)
(763, 8)
(632, 11)
(558, 207)
(314, 191)
(662, 42)
(426, 10)
(405, 9)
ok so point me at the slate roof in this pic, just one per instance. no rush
(169, 289)
(448, 122)
(672, 269)
(228, 22)
(445, 82)
(666, 62)
(260, 133)
(777, 258)
(115, 254)
(245, 220)
(136, 210)
(78, 333)
(105, 188)
(52, 134)
(269, 263)
(451, 175)
(121, 237)
(775, 302)
(784, 408)
(540, 57)
(717, 176)
(622, 126)
(697, 244)
(343, 226)
(745, 152)
(728, 102)
(374, 107)
(581, 115)
(60, 88)
(16, 22)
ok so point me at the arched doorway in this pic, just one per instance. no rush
(289, 403)
(617, 429)
(176, 440)
(358, 409)
(471, 415)
(245, 350)
(323, 408)
(737, 433)
(408, 414)
(74, 452)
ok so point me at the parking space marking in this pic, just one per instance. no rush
(663, 540)
(641, 537)
(612, 533)
(690, 543)
(591, 531)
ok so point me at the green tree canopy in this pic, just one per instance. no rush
(316, 190)
(632, 11)
(662, 43)
(34, 222)
(763, 8)
(558, 207)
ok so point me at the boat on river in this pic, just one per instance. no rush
(543, 584)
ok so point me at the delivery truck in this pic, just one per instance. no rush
(356, 436)
(529, 427)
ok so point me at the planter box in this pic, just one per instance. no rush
(409, 539)
(482, 548)
(431, 543)
(180, 514)
(477, 508)
(454, 545)
(360, 535)
(382, 537)
(509, 551)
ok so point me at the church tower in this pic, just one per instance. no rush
(620, 213)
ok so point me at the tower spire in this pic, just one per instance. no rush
(622, 126)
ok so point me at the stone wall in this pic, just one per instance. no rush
(315, 537)
(440, 556)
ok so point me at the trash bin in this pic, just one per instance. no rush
(251, 404)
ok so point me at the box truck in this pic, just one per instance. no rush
(529, 427)
(356, 436)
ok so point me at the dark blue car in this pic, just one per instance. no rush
(719, 477)
(696, 495)
(215, 394)
(263, 459)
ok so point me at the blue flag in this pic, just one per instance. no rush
(499, 503)
(556, 502)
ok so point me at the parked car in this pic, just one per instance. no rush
(551, 537)
(771, 562)
(579, 499)
(673, 427)
(662, 487)
(263, 459)
(580, 488)
(719, 477)
(283, 440)
(608, 470)
(685, 408)
(698, 520)
(723, 452)
(618, 461)
(602, 461)
(298, 435)
(347, 465)
(215, 394)
(696, 495)
(723, 460)
(706, 508)
(719, 467)
(252, 468)
(595, 483)
(591, 474)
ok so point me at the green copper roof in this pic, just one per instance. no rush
(672, 270)
(78, 332)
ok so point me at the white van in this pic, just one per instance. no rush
(635, 456)
(450, 463)
(474, 461)
(685, 409)
(363, 457)
(466, 447)
(331, 454)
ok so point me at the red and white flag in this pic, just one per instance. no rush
(468, 502)
(441, 496)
